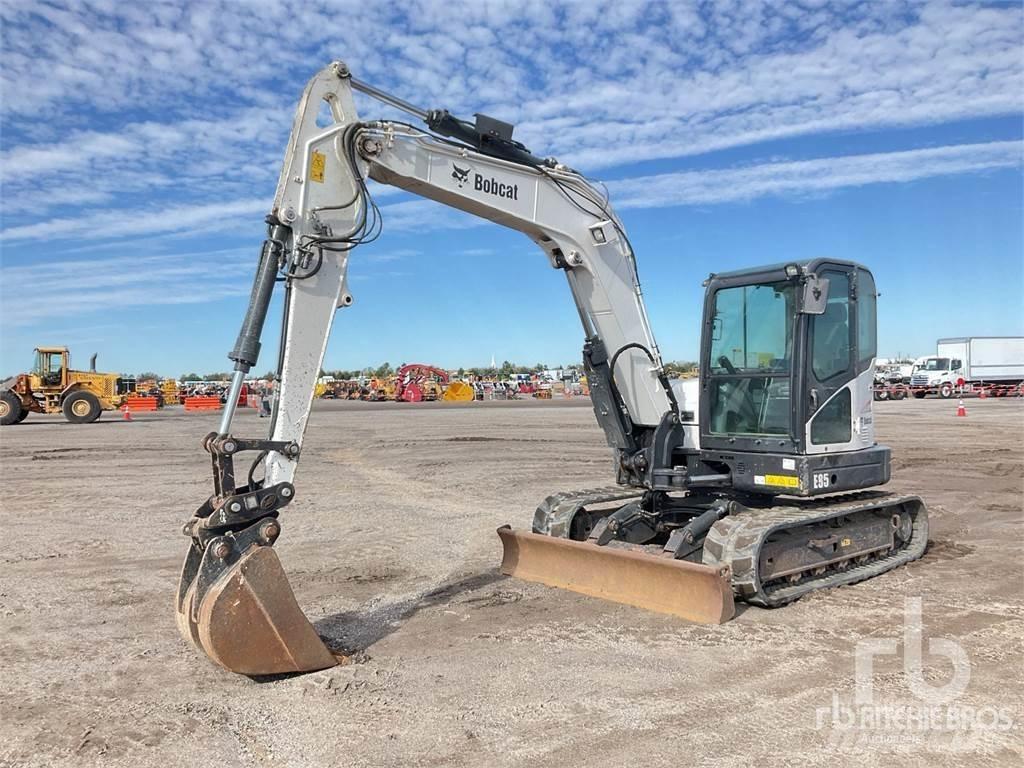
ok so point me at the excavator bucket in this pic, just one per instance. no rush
(241, 612)
(691, 591)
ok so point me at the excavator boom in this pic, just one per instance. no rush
(234, 601)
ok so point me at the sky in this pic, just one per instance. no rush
(140, 145)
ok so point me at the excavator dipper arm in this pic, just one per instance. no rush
(234, 601)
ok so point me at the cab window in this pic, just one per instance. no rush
(750, 358)
(867, 334)
(830, 355)
(833, 423)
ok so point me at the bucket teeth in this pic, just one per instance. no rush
(241, 612)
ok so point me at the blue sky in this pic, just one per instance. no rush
(140, 145)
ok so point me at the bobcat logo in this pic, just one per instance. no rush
(461, 175)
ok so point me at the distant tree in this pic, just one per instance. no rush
(270, 375)
(145, 375)
(461, 373)
(384, 371)
(220, 376)
(191, 377)
(538, 368)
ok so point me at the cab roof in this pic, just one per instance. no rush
(808, 265)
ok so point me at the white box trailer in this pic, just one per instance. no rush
(993, 363)
(986, 358)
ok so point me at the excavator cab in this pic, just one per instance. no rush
(786, 379)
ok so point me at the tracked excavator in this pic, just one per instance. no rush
(756, 481)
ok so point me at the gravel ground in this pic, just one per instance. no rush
(390, 547)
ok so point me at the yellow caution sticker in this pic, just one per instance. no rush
(785, 481)
(316, 166)
(845, 543)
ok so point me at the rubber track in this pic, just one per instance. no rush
(568, 503)
(736, 540)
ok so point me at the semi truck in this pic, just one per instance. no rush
(993, 365)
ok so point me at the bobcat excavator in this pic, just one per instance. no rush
(751, 482)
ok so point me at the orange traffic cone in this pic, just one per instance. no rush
(127, 413)
(960, 410)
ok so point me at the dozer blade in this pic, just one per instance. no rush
(241, 611)
(691, 591)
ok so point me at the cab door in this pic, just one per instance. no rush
(65, 368)
(831, 365)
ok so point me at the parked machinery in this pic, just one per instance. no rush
(171, 393)
(380, 388)
(52, 386)
(415, 382)
(342, 390)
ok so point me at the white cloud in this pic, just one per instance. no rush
(811, 176)
(71, 288)
(153, 122)
(161, 98)
(230, 216)
(111, 224)
(655, 191)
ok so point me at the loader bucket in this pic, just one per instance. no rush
(458, 392)
(691, 591)
(241, 612)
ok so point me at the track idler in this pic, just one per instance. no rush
(234, 604)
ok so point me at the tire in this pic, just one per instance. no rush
(946, 391)
(900, 394)
(881, 394)
(81, 407)
(920, 395)
(11, 410)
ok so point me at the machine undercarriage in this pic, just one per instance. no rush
(775, 550)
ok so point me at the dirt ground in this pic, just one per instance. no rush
(390, 547)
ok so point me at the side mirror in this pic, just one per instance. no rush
(814, 297)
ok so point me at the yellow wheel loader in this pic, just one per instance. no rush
(753, 481)
(53, 386)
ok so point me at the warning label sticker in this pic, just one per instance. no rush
(316, 166)
(782, 481)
